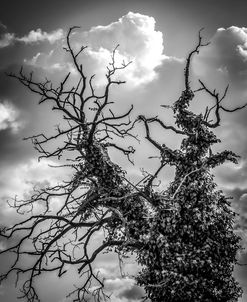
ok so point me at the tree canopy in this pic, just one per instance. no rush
(182, 237)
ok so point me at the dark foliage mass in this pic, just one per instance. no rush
(182, 237)
(191, 247)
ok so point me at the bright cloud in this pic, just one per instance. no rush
(119, 283)
(34, 36)
(26, 175)
(3, 246)
(51, 62)
(6, 40)
(20, 180)
(123, 289)
(139, 42)
(38, 35)
(230, 176)
(8, 117)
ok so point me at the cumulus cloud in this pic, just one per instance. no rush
(34, 36)
(224, 62)
(9, 117)
(6, 40)
(3, 26)
(132, 294)
(123, 289)
(138, 39)
(119, 281)
(139, 42)
(50, 62)
(38, 35)
(227, 55)
(231, 176)
(24, 177)
(3, 246)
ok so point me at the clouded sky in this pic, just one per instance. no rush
(156, 36)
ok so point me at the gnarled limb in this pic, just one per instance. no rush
(93, 201)
(217, 107)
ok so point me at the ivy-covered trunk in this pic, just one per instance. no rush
(190, 253)
(190, 250)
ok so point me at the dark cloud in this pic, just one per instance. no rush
(231, 176)
(12, 89)
(133, 294)
(225, 56)
(33, 118)
(13, 149)
(236, 193)
(3, 27)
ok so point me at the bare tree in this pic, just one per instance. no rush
(97, 198)
(183, 236)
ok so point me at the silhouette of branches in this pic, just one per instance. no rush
(90, 202)
(170, 231)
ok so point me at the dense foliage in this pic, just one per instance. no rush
(191, 248)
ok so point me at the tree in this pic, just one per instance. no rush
(95, 199)
(183, 237)
(191, 247)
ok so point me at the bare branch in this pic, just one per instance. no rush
(189, 58)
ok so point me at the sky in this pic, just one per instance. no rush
(156, 36)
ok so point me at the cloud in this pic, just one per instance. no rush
(6, 40)
(231, 176)
(9, 117)
(139, 42)
(3, 246)
(50, 62)
(19, 180)
(34, 36)
(123, 289)
(25, 175)
(38, 35)
(119, 282)
(226, 55)
(132, 294)
(3, 26)
(223, 62)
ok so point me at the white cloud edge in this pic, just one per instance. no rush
(45, 61)
(9, 117)
(139, 41)
(24, 177)
(34, 36)
(143, 70)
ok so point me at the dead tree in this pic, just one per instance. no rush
(97, 198)
(183, 236)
